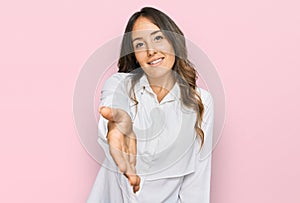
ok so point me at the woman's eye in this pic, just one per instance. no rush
(157, 38)
(138, 45)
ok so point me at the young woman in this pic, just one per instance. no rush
(155, 121)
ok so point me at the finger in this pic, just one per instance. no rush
(138, 180)
(118, 157)
(113, 114)
(107, 113)
(133, 179)
(131, 175)
(136, 188)
(130, 141)
(132, 151)
(136, 184)
(130, 159)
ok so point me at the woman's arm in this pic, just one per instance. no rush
(116, 135)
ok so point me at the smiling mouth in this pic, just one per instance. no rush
(156, 61)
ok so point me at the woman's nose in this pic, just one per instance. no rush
(151, 51)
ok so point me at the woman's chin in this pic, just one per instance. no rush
(157, 72)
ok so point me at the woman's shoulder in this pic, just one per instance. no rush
(118, 76)
(116, 79)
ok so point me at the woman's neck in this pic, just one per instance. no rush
(161, 86)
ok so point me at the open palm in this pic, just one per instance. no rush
(122, 143)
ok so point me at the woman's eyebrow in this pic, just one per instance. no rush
(152, 33)
(138, 38)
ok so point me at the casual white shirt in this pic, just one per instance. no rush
(169, 161)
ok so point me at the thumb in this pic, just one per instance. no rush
(107, 113)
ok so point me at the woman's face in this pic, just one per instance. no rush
(153, 51)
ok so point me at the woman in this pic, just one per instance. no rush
(155, 122)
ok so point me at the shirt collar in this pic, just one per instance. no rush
(174, 93)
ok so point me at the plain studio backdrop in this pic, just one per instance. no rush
(254, 46)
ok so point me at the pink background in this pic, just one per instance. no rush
(253, 44)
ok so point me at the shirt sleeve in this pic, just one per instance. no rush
(196, 186)
(114, 94)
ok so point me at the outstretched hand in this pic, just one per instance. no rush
(122, 143)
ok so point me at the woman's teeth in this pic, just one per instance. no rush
(156, 61)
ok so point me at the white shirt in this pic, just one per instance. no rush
(169, 161)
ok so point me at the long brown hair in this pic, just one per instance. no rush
(182, 66)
